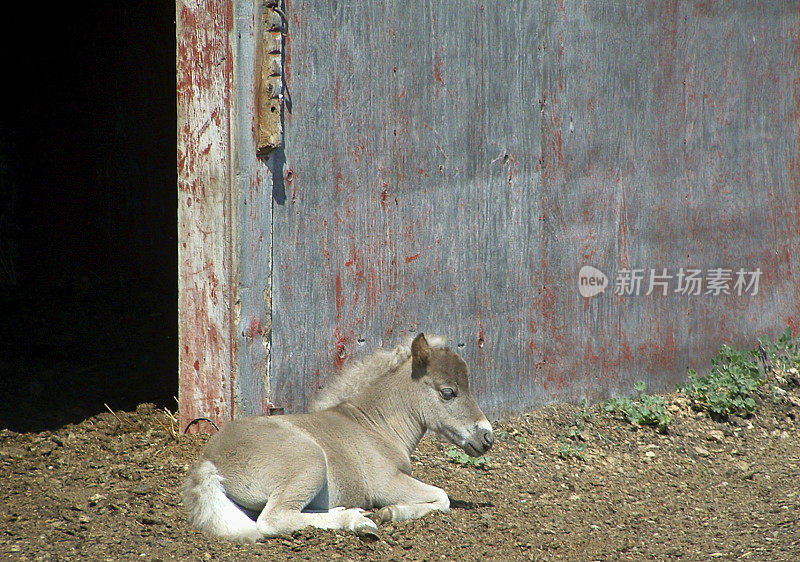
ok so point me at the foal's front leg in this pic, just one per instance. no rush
(408, 498)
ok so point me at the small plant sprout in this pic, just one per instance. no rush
(584, 414)
(569, 449)
(518, 437)
(643, 410)
(573, 443)
(458, 456)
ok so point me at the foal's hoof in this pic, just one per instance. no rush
(383, 515)
(367, 530)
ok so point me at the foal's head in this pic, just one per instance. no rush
(444, 399)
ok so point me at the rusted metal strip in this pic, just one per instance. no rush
(273, 23)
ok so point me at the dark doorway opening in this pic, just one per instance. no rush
(88, 235)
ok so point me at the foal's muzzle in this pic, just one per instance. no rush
(480, 441)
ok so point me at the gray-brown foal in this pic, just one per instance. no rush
(350, 454)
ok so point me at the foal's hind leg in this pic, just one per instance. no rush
(408, 498)
(283, 513)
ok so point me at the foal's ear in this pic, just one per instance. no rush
(420, 353)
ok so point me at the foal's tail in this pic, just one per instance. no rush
(210, 509)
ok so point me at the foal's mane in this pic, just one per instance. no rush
(357, 375)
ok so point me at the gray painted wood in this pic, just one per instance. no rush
(253, 189)
(451, 167)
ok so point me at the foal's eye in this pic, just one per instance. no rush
(448, 393)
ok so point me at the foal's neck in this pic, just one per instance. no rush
(388, 406)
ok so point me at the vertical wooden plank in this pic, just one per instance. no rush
(253, 186)
(206, 216)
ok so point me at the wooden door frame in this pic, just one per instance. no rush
(224, 216)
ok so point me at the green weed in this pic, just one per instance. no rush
(571, 444)
(517, 435)
(780, 356)
(643, 410)
(460, 457)
(570, 449)
(733, 383)
(729, 387)
(584, 415)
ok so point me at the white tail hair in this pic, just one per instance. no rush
(211, 510)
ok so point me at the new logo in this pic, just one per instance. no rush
(591, 281)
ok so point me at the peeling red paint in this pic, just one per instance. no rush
(342, 350)
(337, 89)
(590, 356)
(437, 68)
(254, 328)
(287, 46)
(794, 162)
(339, 299)
(337, 184)
(385, 196)
(203, 97)
(662, 352)
(637, 195)
(553, 163)
(794, 324)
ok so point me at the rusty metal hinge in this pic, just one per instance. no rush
(271, 84)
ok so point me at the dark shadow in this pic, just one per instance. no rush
(67, 351)
(88, 199)
(275, 162)
(460, 504)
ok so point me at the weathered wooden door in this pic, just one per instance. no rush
(452, 166)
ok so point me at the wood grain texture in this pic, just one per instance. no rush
(225, 215)
(205, 215)
(253, 190)
(450, 169)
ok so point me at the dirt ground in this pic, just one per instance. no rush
(107, 488)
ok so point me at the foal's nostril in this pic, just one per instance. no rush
(488, 438)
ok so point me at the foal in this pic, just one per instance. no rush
(265, 476)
